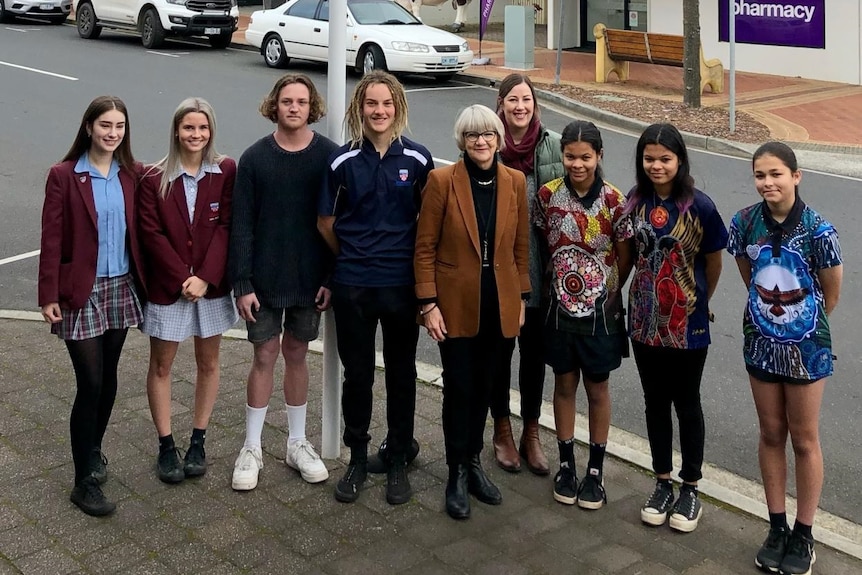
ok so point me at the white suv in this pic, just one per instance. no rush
(55, 11)
(156, 19)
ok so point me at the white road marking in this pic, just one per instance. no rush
(21, 29)
(441, 88)
(38, 71)
(162, 54)
(19, 257)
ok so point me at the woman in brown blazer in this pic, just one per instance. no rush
(472, 275)
(89, 278)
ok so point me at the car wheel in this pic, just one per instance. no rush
(152, 33)
(5, 16)
(85, 20)
(373, 59)
(273, 52)
(221, 41)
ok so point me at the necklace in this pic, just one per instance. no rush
(486, 224)
(488, 183)
(658, 216)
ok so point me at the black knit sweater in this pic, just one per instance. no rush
(275, 248)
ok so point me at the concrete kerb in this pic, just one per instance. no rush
(722, 486)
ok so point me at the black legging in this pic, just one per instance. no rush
(95, 361)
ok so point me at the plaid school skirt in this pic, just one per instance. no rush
(113, 304)
(183, 319)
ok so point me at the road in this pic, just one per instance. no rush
(39, 114)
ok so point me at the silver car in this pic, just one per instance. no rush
(55, 11)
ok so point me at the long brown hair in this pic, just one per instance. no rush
(509, 82)
(353, 118)
(83, 141)
(269, 106)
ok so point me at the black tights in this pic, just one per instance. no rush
(95, 361)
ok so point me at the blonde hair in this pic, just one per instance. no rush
(353, 121)
(317, 107)
(478, 118)
(171, 163)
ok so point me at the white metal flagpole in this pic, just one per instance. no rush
(731, 37)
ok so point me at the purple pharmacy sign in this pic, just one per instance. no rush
(800, 23)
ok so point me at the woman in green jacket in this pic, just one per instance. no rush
(534, 150)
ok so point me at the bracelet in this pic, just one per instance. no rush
(427, 311)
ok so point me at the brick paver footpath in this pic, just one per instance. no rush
(287, 526)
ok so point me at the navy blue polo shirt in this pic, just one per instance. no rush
(375, 202)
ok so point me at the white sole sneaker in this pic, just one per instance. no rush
(246, 479)
(654, 519)
(316, 477)
(683, 525)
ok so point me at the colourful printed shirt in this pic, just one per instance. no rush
(580, 235)
(785, 328)
(668, 305)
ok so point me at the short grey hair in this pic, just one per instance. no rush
(478, 118)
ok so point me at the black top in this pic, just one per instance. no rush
(483, 184)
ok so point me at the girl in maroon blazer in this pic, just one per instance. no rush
(87, 272)
(184, 211)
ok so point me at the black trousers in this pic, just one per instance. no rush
(531, 373)
(95, 361)
(471, 365)
(671, 377)
(358, 310)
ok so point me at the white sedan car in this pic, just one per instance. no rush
(381, 35)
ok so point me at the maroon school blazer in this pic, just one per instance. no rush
(70, 236)
(174, 248)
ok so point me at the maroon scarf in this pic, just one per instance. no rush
(521, 156)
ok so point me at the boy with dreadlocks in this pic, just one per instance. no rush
(367, 215)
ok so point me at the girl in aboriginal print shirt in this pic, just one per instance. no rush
(587, 237)
(790, 262)
(679, 236)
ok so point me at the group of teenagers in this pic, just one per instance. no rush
(521, 239)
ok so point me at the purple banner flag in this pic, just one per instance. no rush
(800, 23)
(484, 15)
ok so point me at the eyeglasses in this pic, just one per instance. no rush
(473, 137)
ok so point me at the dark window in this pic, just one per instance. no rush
(324, 11)
(303, 9)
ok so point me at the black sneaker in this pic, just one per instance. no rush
(800, 556)
(654, 511)
(591, 493)
(772, 551)
(379, 462)
(170, 468)
(686, 511)
(98, 465)
(88, 496)
(347, 489)
(195, 461)
(398, 489)
(565, 486)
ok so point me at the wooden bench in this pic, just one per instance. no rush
(616, 48)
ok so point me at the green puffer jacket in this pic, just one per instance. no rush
(548, 162)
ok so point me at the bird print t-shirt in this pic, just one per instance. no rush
(668, 305)
(785, 328)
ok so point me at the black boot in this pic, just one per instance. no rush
(479, 485)
(457, 499)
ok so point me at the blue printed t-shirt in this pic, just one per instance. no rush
(668, 304)
(785, 328)
(375, 202)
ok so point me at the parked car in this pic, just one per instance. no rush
(54, 11)
(155, 20)
(380, 35)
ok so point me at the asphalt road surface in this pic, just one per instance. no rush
(48, 75)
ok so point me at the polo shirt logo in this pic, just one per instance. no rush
(402, 175)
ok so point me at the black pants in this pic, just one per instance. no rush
(672, 377)
(531, 374)
(95, 362)
(470, 368)
(357, 313)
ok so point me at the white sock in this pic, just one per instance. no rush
(296, 422)
(254, 420)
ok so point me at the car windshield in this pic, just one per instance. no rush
(371, 12)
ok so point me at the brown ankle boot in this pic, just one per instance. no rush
(531, 448)
(504, 446)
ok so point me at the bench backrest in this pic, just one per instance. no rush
(665, 49)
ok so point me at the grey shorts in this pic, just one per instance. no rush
(302, 323)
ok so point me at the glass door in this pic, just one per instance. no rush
(611, 13)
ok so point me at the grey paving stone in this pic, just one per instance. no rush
(498, 565)
(83, 541)
(464, 553)
(157, 534)
(395, 554)
(51, 561)
(10, 518)
(352, 564)
(149, 567)
(707, 567)
(546, 561)
(611, 558)
(188, 557)
(223, 533)
(23, 540)
(115, 559)
(360, 525)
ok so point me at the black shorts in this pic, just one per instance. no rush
(302, 323)
(767, 377)
(594, 355)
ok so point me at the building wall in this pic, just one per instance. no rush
(840, 61)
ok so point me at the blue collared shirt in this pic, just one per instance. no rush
(113, 258)
(190, 185)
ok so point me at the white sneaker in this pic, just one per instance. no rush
(247, 468)
(302, 457)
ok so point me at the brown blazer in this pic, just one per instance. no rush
(172, 246)
(70, 236)
(448, 263)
